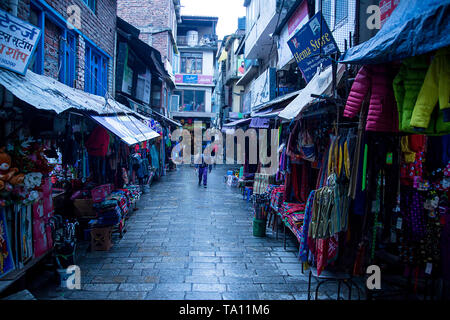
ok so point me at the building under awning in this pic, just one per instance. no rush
(49, 94)
(127, 128)
(46, 93)
(320, 84)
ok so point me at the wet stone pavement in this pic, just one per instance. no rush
(189, 242)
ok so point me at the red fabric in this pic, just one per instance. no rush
(304, 189)
(98, 142)
(383, 114)
(417, 142)
(295, 178)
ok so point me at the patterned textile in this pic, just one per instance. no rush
(288, 208)
(303, 249)
(276, 197)
(292, 216)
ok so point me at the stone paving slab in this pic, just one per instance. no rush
(189, 243)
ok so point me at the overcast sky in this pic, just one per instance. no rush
(228, 12)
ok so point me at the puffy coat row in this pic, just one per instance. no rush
(407, 101)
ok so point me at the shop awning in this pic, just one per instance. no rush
(164, 118)
(46, 93)
(136, 106)
(267, 114)
(414, 28)
(127, 128)
(237, 123)
(275, 101)
(321, 84)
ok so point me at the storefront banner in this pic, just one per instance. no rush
(18, 41)
(386, 9)
(193, 79)
(312, 45)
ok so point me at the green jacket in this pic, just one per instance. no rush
(436, 87)
(406, 87)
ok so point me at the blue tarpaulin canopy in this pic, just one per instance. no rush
(414, 28)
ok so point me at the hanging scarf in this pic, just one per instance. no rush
(303, 249)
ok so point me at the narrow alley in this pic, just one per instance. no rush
(188, 242)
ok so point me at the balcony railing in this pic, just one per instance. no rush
(203, 41)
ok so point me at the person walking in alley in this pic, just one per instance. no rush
(203, 167)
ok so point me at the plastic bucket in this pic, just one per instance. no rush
(259, 228)
(63, 277)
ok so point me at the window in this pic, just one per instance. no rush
(191, 100)
(326, 11)
(67, 59)
(191, 63)
(37, 61)
(91, 4)
(63, 41)
(341, 11)
(95, 74)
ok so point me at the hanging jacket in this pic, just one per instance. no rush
(436, 87)
(382, 115)
(407, 86)
(98, 142)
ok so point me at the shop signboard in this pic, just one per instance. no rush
(240, 65)
(127, 82)
(312, 46)
(18, 40)
(193, 79)
(386, 9)
(295, 23)
(143, 86)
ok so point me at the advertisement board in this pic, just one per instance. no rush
(18, 40)
(312, 46)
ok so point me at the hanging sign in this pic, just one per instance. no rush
(18, 41)
(312, 46)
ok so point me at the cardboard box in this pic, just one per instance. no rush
(84, 208)
(101, 239)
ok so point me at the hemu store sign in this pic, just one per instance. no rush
(312, 46)
(18, 41)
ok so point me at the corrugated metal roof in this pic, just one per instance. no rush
(49, 94)
(237, 122)
(127, 128)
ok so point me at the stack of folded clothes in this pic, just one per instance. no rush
(276, 197)
(108, 214)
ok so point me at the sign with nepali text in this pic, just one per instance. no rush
(312, 46)
(18, 41)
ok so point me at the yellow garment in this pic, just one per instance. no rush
(410, 156)
(436, 87)
(346, 160)
(340, 164)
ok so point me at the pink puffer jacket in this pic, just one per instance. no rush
(382, 114)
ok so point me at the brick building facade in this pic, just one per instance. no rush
(156, 19)
(96, 26)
